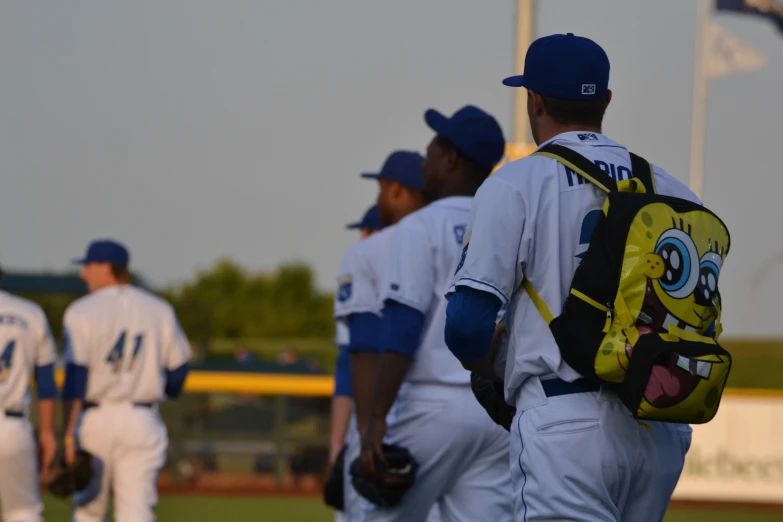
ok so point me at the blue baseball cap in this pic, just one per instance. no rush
(105, 251)
(402, 166)
(565, 67)
(474, 133)
(371, 220)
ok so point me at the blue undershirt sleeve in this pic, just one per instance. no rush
(44, 382)
(342, 375)
(363, 332)
(401, 328)
(470, 323)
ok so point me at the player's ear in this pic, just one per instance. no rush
(451, 158)
(537, 103)
(397, 190)
(608, 97)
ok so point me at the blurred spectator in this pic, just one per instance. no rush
(243, 356)
(288, 356)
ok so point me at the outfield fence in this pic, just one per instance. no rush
(275, 427)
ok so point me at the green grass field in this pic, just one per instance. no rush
(254, 509)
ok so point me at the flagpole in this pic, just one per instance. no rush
(700, 84)
(524, 39)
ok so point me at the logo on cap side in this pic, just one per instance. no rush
(588, 88)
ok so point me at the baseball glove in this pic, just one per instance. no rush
(63, 481)
(334, 490)
(395, 478)
(489, 394)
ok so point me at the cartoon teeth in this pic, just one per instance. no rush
(694, 367)
(671, 320)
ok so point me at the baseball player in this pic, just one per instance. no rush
(576, 453)
(26, 350)
(460, 453)
(342, 398)
(358, 301)
(124, 352)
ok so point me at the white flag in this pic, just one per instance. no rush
(727, 54)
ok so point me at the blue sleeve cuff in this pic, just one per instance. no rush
(44, 382)
(175, 380)
(75, 382)
(470, 323)
(342, 375)
(363, 332)
(401, 328)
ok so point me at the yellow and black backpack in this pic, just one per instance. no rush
(643, 313)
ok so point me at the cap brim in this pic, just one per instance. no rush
(515, 81)
(370, 175)
(353, 226)
(436, 121)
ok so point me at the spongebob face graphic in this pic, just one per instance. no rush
(681, 271)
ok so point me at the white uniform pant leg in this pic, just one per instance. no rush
(572, 459)
(20, 496)
(663, 456)
(130, 445)
(95, 435)
(140, 455)
(483, 489)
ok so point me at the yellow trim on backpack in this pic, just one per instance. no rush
(574, 168)
(631, 185)
(589, 300)
(540, 304)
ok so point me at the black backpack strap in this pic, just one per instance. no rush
(643, 171)
(579, 164)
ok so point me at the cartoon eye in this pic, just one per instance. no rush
(709, 271)
(681, 263)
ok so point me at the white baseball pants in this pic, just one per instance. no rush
(129, 442)
(462, 456)
(20, 496)
(582, 457)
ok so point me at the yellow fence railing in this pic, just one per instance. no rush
(252, 383)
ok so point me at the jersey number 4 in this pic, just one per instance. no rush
(117, 353)
(5, 360)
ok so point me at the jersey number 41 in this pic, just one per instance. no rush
(117, 353)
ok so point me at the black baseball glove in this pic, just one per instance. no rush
(334, 490)
(63, 481)
(395, 478)
(489, 394)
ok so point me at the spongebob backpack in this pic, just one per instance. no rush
(643, 312)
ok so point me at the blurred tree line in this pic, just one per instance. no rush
(227, 301)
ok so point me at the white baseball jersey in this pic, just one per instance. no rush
(359, 280)
(25, 342)
(425, 250)
(534, 218)
(127, 338)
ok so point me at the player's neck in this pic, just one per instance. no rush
(107, 284)
(550, 131)
(460, 187)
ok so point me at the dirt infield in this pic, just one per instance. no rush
(755, 507)
(309, 486)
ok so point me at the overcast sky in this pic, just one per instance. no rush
(195, 129)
